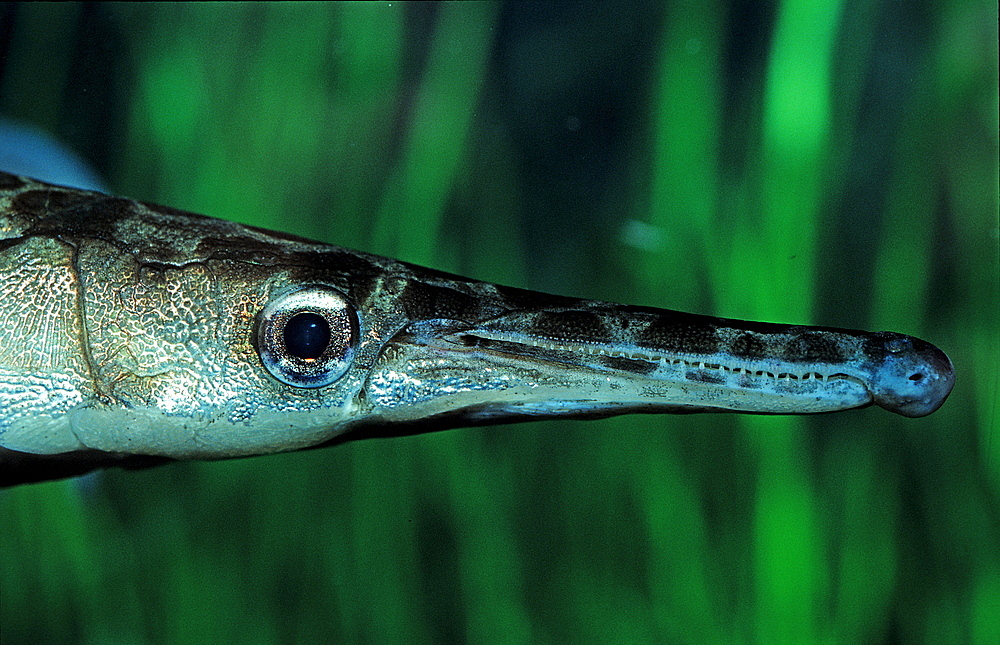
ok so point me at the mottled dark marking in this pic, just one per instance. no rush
(630, 365)
(765, 328)
(44, 202)
(10, 182)
(527, 300)
(576, 326)
(424, 301)
(874, 346)
(89, 215)
(703, 376)
(517, 349)
(471, 340)
(748, 346)
(239, 247)
(336, 260)
(672, 335)
(809, 347)
(354, 273)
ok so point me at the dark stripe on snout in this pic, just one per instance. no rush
(574, 326)
(678, 336)
(44, 202)
(748, 346)
(425, 302)
(813, 348)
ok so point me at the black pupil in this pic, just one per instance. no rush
(307, 335)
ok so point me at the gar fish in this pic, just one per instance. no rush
(132, 333)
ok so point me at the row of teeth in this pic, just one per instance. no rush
(702, 365)
(597, 350)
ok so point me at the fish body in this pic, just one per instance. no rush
(131, 331)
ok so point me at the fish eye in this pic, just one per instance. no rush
(306, 335)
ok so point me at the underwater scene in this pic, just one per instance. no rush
(828, 162)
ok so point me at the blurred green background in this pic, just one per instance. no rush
(796, 161)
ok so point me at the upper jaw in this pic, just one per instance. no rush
(493, 372)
